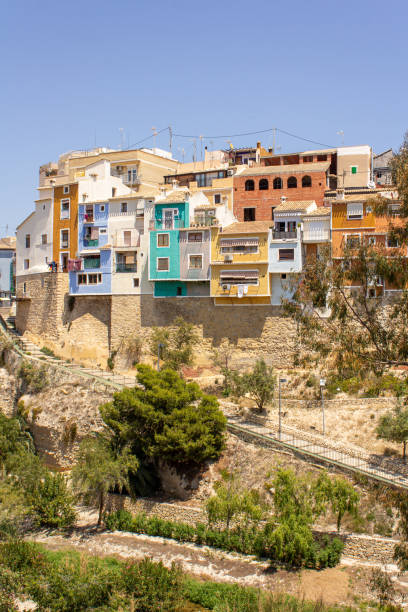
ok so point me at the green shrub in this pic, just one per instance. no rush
(152, 586)
(47, 351)
(33, 379)
(21, 556)
(51, 502)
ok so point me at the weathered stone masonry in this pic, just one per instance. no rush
(89, 328)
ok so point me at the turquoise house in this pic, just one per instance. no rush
(170, 215)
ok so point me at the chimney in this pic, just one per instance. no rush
(340, 194)
(258, 152)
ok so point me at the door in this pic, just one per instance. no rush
(168, 218)
(64, 262)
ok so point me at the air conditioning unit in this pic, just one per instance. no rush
(226, 287)
(228, 257)
(211, 213)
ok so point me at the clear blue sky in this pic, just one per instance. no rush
(74, 72)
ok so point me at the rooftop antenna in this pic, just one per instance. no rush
(201, 146)
(194, 150)
(122, 138)
(341, 133)
(182, 151)
(170, 138)
(154, 137)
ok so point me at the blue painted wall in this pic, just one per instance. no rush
(100, 221)
(183, 214)
(169, 288)
(172, 252)
(105, 269)
(6, 258)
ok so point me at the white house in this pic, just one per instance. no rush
(34, 237)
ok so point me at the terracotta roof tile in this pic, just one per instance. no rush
(248, 227)
(299, 206)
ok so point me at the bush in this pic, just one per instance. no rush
(33, 379)
(51, 502)
(290, 543)
(152, 586)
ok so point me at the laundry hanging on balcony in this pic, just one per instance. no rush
(94, 233)
(74, 265)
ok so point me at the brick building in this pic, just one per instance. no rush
(258, 190)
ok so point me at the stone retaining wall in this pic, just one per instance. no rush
(363, 547)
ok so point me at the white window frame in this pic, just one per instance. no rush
(353, 234)
(157, 264)
(67, 246)
(391, 247)
(286, 249)
(64, 201)
(86, 278)
(162, 246)
(195, 255)
(175, 213)
(372, 240)
(195, 241)
(355, 217)
(217, 195)
(122, 204)
(98, 278)
(66, 189)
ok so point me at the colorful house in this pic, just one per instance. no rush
(239, 264)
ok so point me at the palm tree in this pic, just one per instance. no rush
(99, 469)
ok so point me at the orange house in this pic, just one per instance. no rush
(65, 233)
(354, 223)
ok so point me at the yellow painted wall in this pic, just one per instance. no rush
(224, 186)
(71, 223)
(262, 289)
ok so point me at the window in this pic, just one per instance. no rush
(135, 282)
(179, 291)
(355, 211)
(64, 262)
(64, 239)
(217, 198)
(306, 181)
(239, 277)
(92, 261)
(195, 262)
(353, 169)
(353, 241)
(169, 215)
(277, 183)
(82, 279)
(162, 240)
(249, 214)
(43, 238)
(249, 185)
(195, 237)
(286, 254)
(27, 241)
(123, 207)
(307, 159)
(24, 287)
(283, 276)
(66, 189)
(65, 209)
(163, 264)
(263, 184)
(394, 209)
(292, 182)
(113, 192)
(103, 230)
(94, 279)
(392, 242)
(291, 226)
(372, 240)
(322, 158)
(26, 264)
(272, 209)
(102, 208)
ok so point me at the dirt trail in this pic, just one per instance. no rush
(337, 585)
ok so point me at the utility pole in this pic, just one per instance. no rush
(154, 137)
(201, 146)
(281, 380)
(322, 386)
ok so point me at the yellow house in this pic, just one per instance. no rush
(239, 264)
(65, 227)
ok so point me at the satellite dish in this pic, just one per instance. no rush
(371, 185)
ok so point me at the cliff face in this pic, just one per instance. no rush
(59, 416)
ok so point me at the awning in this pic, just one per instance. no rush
(239, 242)
(89, 252)
(239, 274)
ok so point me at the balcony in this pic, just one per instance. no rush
(91, 243)
(126, 267)
(205, 221)
(158, 224)
(278, 235)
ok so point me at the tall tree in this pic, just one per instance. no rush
(393, 426)
(337, 316)
(99, 469)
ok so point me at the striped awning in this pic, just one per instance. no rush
(239, 242)
(239, 274)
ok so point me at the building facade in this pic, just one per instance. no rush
(7, 267)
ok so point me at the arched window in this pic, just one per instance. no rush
(263, 184)
(292, 182)
(277, 183)
(249, 185)
(306, 181)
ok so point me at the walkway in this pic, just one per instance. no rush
(293, 442)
